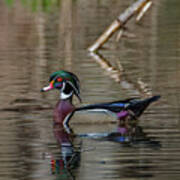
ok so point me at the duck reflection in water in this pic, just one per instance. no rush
(128, 133)
(70, 155)
(132, 134)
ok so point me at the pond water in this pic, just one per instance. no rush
(37, 40)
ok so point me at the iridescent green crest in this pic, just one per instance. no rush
(67, 77)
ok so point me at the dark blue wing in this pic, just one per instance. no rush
(115, 106)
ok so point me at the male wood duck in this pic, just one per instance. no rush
(68, 85)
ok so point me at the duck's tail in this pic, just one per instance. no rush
(139, 106)
(152, 99)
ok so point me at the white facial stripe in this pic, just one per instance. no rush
(73, 87)
(63, 86)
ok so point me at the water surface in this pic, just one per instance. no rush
(36, 42)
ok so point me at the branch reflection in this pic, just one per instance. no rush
(138, 88)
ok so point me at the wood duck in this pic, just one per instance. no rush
(126, 110)
(68, 85)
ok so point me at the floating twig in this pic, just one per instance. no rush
(118, 23)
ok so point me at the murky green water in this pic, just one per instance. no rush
(35, 43)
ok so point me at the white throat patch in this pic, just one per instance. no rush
(64, 95)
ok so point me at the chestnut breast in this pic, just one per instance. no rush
(62, 109)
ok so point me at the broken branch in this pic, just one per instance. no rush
(118, 23)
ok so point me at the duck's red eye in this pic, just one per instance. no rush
(59, 79)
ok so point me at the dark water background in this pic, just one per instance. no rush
(37, 39)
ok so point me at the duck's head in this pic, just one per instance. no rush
(66, 82)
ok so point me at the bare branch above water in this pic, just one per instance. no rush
(139, 6)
